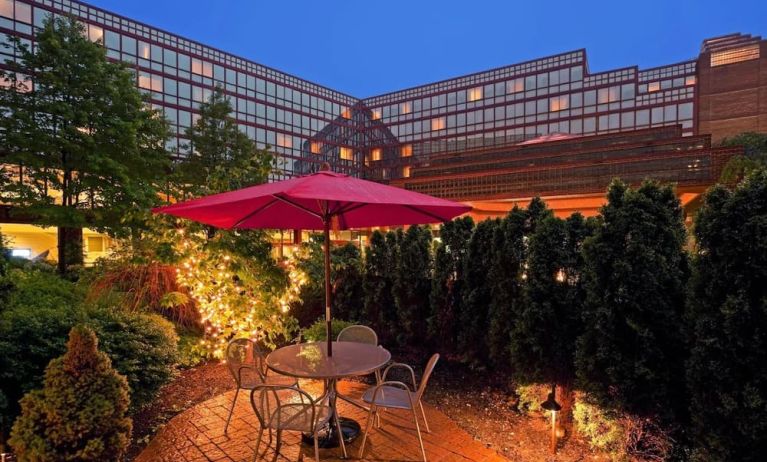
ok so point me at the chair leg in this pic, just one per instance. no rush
(423, 414)
(258, 443)
(340, 434)
(317, 448)
(371, 414)
(418, 431)
(231, 411)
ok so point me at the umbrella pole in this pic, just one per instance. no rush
(326, 223)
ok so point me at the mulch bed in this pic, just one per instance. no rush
(480, 403)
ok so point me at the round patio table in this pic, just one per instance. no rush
(311, 361)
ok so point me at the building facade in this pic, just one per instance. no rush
(389, 137)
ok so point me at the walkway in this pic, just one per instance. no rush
(198, 435)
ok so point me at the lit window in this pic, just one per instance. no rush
(284, 141)
(720, 58)
(405, 108)
(376, 154)
(515, 86)
(653, 86)
(406, 150)
(346, 153)
(143, 52)
(21, 253)
(23, 12)
(95, 244)
(346, 113)
(559, 103)
(314, 147)
(198, 66)
(475, 94)
(406, 171)
(6, 8)
(438, 123)
(689, 80)
(149, 81)
(95, 33)
(376, 114)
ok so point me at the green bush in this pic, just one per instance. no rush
(143, 347)
(378, 280)
(412, 284)
(80, 413)
(317, 332)
(531, 396)
(43, 289)
(601, 429)
(726, 372)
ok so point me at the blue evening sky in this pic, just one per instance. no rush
(368, 47)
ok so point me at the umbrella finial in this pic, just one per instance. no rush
(325, 167)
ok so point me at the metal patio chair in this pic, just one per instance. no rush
(398, 395)
(247, 365)
(360, 334)
(281, 407)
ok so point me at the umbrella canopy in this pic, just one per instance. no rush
(319, 201)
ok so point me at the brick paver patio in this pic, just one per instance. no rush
(198, 435)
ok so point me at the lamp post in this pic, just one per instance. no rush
(553, 406)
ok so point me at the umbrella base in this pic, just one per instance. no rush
(328, 436)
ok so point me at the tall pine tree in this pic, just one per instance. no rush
(412, 284)
(80, 134)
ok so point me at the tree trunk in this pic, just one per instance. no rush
(70, 245)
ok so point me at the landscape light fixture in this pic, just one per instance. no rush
(553, 406)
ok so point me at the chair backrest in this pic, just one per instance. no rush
(358, 334)
(426, 374)
(283, 407)
(243, 353)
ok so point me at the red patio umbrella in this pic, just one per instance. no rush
(319, 201)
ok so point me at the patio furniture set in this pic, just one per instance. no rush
(280, 404)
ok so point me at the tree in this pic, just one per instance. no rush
(753, 157)
(80, 413)
(726, 375)
(80, 134)
(630, 353)
(448, 281)
(412, 284)
(506, 270)
(477, 294)
(221, 157)
(548, 324)
(378, 274)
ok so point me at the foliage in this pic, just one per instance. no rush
(92, 152)
(412, 284)
(635, 271)
(377, 282)
(621, 436)
(447, 281)
(531, 396)
(80, 414)
(546, 327)
(345, 279)
(143, 347)
(477, 296)
(221, 157)
(317, 332)
(727, 380)
(146, 286)
(505, 272)
(754, 156)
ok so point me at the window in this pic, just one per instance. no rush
(376, 154)
(285, 141)
(405, 108)
(143, 51)
(406, 171)
(720, 58)
(23, 12)
(346, 113)
(21, 253)
(689, 80)
(95, 244)
(438, 123)
(149, 81)
(475, 94)
(315, 147)
(653, 86)
(201, 67)
(406, 150)
(515, 86)
(559, 103)
(376, 114)
(346, 153)
(6, 8)
(95, 33)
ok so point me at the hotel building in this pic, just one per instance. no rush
(436, 137)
